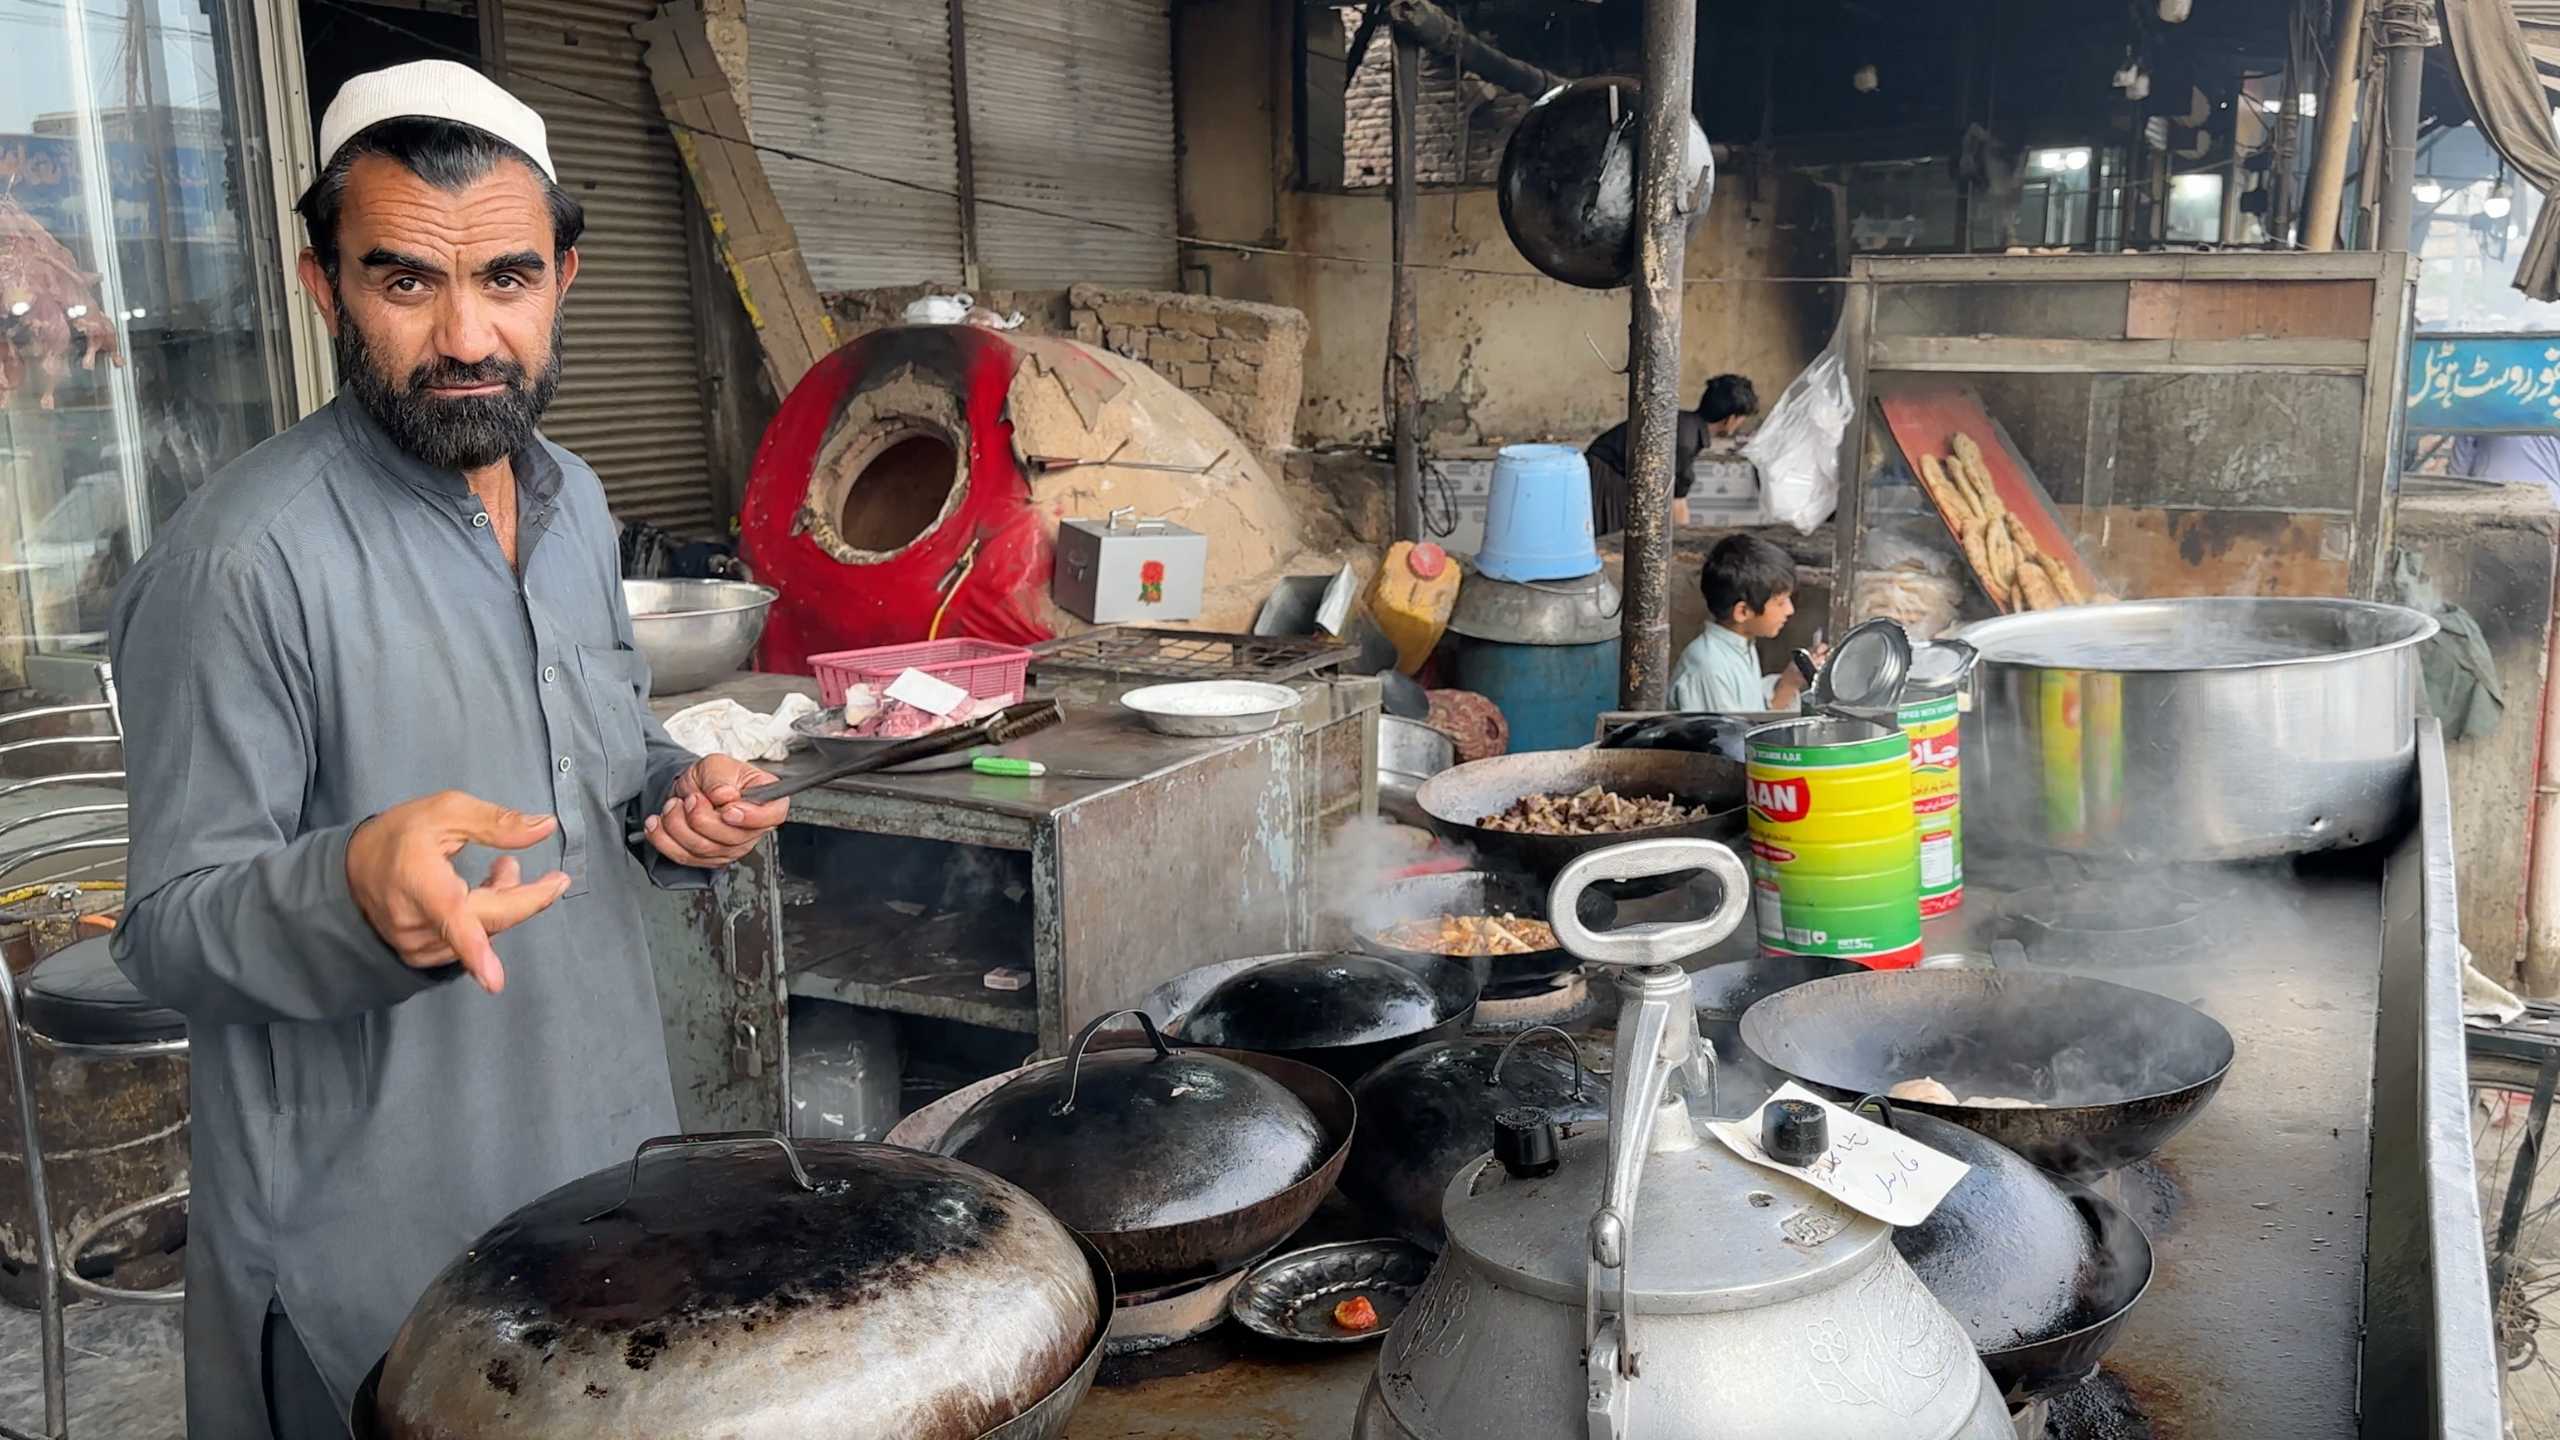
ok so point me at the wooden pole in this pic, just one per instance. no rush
(1403, 383)
(2401, 60)
(2337, 119)
(1653, 390)
(1443, 33)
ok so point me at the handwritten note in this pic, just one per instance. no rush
(1868, 1168)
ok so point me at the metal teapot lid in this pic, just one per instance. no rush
(1867, 669)
(1655, 1217)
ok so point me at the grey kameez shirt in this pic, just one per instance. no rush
(327, 630)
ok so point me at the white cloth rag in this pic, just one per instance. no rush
(2486, 999)
(725, 727)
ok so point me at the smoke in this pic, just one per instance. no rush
(1360, 864)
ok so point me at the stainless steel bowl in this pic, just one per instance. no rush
(695, 633)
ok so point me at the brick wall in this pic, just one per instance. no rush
(1453, 113)
(1245, 363)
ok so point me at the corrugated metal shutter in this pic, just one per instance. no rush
(630, 398)
(1071, 112)
(864, 83)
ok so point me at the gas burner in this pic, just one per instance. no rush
(1152, 1320)
(1556, 1000)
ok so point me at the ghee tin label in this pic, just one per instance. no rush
(1936, 806)
(1835, 854)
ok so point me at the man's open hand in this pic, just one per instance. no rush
(707, 823)
(400, 866)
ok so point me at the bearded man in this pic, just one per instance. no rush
(383, 651)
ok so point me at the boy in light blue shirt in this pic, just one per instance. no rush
(1750, 588)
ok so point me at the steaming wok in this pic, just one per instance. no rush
(1144, 1255)
(2114, 1072)
(2040, 1271)
(1457, 798)
(1452, 985)
(1475, 892)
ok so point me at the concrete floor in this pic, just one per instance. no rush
(127, 1377)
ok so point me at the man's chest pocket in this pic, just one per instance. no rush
(613, 681)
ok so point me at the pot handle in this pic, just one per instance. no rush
(1650, 943)
(631, 1178)
(1580, 1076)
(1075, 1053)
(1883, 1104)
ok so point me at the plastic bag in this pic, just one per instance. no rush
(1798, 450)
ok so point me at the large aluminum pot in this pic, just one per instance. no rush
(2192, 729)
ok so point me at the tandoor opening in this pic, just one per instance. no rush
(900, 494)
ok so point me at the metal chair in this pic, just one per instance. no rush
(73, 1005)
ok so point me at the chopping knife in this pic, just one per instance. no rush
(1005, 726)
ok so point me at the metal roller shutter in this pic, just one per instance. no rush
(630, 400)
(1071, 112)
(864, 83)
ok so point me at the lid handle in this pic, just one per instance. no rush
(1570, 1048)
(631, 1178)
(1075, 1054)
(1651, 943)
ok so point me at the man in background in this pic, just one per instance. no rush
(1727, 404)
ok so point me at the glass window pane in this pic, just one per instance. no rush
(142, 340)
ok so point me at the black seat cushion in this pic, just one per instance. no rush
(77, 994)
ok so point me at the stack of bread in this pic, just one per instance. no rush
(2014, 570)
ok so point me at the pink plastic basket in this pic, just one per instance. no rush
(982, 667)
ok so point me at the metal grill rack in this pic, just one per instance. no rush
(1128, 652)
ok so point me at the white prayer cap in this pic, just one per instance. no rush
(433, 90)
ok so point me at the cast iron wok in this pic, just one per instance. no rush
(1163, 1255)
(1459, 797)
(2114, 1071)
(2038, 1266)
(1473, 892)
(1455, 985)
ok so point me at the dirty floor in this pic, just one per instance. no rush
(127, 1382)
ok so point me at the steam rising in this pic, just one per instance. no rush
(1361, 861)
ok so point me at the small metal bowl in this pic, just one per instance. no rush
(1211, 707)
(827, 734)
(1291, 1297)
(695, 633)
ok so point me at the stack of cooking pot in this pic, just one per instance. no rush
(964, 1293)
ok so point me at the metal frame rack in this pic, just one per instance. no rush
(2244, 315)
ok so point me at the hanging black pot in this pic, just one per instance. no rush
(1568, 184)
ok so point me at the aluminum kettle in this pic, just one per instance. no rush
(1642, 1282)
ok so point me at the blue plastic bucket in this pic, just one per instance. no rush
(1537, 523)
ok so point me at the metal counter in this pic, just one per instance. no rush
(2317, 1232)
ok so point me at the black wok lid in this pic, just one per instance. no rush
(1311, 1001)
(1427, 1112)
(653, 1297)
(1133, 1139)
(2006, 1252)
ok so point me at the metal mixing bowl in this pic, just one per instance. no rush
(695, 633)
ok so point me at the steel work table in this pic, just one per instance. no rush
(2317, 1235)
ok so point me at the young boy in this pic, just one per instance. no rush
(1750, 588)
